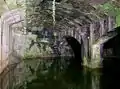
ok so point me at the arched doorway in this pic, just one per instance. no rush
(77, 48)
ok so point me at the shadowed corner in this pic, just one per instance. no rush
(111, 54)
(111, 63)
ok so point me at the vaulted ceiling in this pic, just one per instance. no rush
(68, 12)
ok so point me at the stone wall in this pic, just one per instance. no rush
(36, 42)
(7, 19)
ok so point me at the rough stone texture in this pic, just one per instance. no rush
(69, 13)
(5, 38)
(22, 42)
(73, 18)
(79, 32)
(96, 59)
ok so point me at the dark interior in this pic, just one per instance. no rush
(112, 47)
(111, 55)
(76, 47)
(111, 63)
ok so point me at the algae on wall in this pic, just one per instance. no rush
(111, 8)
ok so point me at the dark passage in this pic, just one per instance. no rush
(112, 47)
(111, 54)
(76, 47)
(111, 63)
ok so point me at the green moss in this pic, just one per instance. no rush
(117, 20)
(28, 56)
(85, 62)
(113, 10)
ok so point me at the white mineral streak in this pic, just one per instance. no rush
(53, 15)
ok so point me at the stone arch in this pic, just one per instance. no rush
(6, 21)
(76, 47)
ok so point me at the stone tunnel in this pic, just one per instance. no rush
(16, 41)
(92, 35)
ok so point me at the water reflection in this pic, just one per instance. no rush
(110, 81)
(110, 74)
(72, 76)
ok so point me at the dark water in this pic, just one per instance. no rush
(70, 74)
(76, 77)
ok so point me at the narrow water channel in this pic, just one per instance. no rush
(76, 77)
